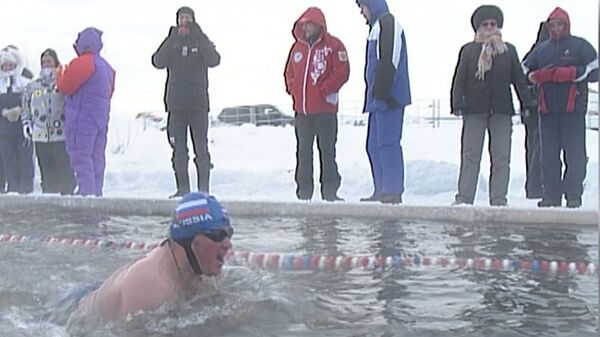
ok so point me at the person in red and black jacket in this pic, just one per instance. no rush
(316, 69)
(562, 67)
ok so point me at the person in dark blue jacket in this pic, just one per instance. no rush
(562, 67)
(533, 151)
(387, 94)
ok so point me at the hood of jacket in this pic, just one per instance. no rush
(560, 14)
(313, 14)
(377, 8)
(88, 40)
(13, 56)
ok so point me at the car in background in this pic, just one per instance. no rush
(261, 114)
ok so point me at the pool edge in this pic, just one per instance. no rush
(470, 214)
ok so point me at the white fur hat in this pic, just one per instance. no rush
(12, 56)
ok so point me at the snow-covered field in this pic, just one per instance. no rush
(257, 163)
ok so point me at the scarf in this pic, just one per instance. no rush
(492, 46)
(48, 76)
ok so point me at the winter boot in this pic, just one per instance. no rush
(393, 199)
(574, 203)
(183, 183)
(370, 198)
(549, 203)
(204, 180)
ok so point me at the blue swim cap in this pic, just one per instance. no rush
(197, 212)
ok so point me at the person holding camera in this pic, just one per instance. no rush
(187, 53)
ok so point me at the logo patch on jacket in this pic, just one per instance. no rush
(297, 56)
(343, 56)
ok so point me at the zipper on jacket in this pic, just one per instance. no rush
(308, 60)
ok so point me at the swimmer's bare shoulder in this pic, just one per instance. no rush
(137, 286)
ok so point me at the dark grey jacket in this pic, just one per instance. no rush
(493, 94)
(187, 59)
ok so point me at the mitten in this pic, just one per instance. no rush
(12, 114)
(564, 74)
(541, 75)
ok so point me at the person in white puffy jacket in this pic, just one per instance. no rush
(16, 151)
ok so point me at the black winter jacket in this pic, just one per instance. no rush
(187, 59)
(493, 94)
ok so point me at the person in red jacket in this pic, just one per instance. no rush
(316, 69)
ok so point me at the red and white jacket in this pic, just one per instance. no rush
(315, 74)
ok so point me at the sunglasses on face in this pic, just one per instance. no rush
(218, 235)
(489, 24)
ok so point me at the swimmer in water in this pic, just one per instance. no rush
(199, 239)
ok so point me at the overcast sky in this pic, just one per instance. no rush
(254, 37)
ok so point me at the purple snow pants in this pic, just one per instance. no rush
(86, 148)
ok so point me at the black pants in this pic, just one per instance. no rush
(324, 128)
(563, 133)
(17, 156)
(533, 154)
(178, 123)
(57, 175)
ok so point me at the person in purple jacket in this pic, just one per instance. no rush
(88, 84)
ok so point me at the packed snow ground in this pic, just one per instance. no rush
(257, 163)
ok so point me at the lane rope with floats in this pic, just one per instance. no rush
(310, 262)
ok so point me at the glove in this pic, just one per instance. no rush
(541, 75)
(27, 130)
(564, 74)
(195, 30)
(12, 114)
(60, 70)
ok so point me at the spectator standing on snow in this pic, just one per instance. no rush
(387, 94)
(562, 67)
(316, 69)
(533, 151)
(481, 94)
(17, 153)
(88, 83)
(187, 53)
(44, 124)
